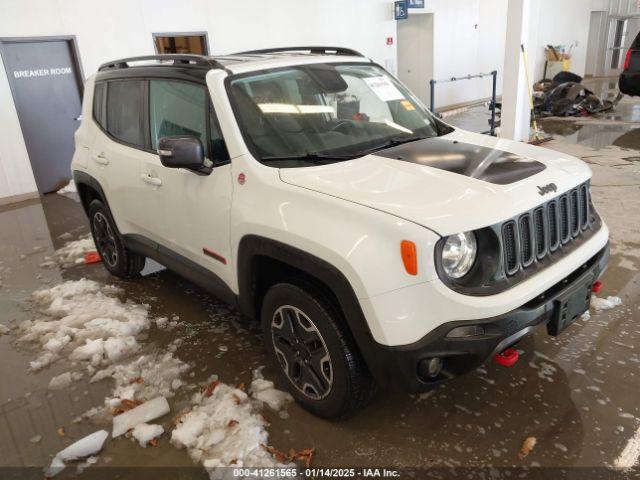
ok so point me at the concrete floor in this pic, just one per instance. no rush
(577, 394)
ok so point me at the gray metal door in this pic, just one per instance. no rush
(46, 88)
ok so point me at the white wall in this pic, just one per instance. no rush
(564, 22)
(469, 38)
(107, 30)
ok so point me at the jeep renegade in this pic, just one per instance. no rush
(307, 187)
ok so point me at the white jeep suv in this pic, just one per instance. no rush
(310, 189)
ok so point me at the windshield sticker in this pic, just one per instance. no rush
(383, 88)
(407, 105)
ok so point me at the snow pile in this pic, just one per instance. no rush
(224, 428)
(84, 321)
(73, 252)
(147, 377)
(599, 304)
(265, 391)
(82, 448)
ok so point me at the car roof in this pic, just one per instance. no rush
(249, 63)
(199, 65)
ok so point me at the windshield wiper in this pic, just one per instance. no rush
(320, 157)
(311, 157)
(393, 142)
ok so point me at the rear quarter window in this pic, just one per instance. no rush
(98, 104)
(125, 111)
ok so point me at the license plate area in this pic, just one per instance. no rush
(570, 305)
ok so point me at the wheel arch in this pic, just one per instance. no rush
(263, 262)
(89, 189)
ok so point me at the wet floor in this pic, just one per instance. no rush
(577, 394)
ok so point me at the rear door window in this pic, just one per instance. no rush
(125, 113)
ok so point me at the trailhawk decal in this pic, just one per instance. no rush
(487, 164)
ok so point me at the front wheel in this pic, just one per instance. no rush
(119, 260)
(305, 337)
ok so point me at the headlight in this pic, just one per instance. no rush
(458, 254)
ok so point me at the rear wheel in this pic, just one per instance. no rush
(304, 336)
(117, 259)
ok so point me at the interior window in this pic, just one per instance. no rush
(98, 103)
(124, 111)
(176, 108)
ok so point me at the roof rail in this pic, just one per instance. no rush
(316, 50)
(195, 60)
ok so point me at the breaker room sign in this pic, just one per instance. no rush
(42, 72)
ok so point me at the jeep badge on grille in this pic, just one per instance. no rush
(547, 188)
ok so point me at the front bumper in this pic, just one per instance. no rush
(400, 366)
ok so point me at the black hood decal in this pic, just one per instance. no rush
(487, 164)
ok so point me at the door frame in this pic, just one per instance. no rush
(75, 57)
(204, 34)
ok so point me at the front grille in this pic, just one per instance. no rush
(534, 235)
(539, 228)
(511, 261)
(526, 240)
(565, 231)
(552, 225)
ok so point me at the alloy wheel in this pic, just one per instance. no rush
(302, 352)
(105, 240)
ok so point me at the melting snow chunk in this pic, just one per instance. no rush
(608, 303)
(141, 414)
(84, 447)
(145, 432)
(265, 391)
(61, 382)
(73, 252)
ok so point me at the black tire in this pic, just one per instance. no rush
(117, 259)
(333, 390)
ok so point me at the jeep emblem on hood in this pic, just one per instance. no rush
(547, 188)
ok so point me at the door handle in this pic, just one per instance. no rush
(101, 159)
(155, 181)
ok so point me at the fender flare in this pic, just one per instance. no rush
(83, 178)
(252, 246)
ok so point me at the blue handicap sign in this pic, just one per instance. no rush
(401, 11)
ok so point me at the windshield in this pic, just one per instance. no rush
(310, 114)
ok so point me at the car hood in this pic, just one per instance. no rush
(458, 182)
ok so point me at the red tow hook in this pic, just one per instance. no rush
(507, 358)
(597, 286)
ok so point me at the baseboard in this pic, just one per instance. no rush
(18, 198)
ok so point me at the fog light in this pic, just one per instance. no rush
(430, 367)
(465, 332)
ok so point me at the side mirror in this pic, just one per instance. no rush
(183, 152)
